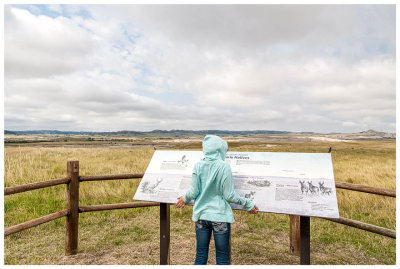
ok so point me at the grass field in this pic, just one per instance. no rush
(131, 236)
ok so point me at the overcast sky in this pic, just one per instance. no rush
(325, 68)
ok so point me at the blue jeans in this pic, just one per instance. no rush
(222, 231)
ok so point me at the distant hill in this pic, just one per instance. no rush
(41, 132)
(125, 132)
(216, 132)
(371, 132)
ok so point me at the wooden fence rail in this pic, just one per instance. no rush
(110, 177)
(73, 209)
(35, 186)
(91, 208)
(367, 189)
(32, 223)
(364, 226)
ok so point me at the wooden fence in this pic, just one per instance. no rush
(299, 225)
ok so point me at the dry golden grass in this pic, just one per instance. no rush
(131, 236)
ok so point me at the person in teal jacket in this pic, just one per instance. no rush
(212, 189)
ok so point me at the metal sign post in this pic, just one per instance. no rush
(304, 240)
(164, 233)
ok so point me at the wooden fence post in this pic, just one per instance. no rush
(72, 219)
(295, 234)
(164, 234)
(304, 240)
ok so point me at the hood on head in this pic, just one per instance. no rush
(214, 147)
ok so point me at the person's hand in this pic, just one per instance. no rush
(254, 210)
(180, 203)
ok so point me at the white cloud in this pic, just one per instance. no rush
(349, 124)
(43, 46)
(283, 67)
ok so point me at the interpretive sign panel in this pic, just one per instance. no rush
(278, 182)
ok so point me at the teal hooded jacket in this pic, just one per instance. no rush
(212, 185)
